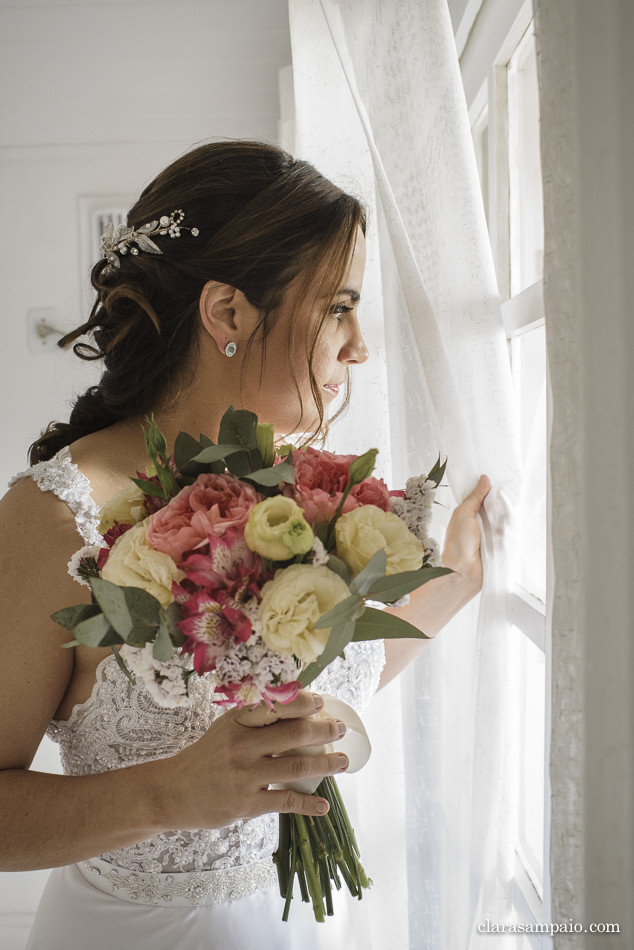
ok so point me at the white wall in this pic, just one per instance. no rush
(97, 96)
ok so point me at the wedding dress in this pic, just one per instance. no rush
(188, 890)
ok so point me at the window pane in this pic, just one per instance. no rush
(528, 356)
(526, 211)
(531, 804)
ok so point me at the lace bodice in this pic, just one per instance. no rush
(120, 725)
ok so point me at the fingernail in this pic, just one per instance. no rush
(318, 701)
(341, 728)
(321, 807)
(342, 761)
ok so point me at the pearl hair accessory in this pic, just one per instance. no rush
(119, 240)
(231, 349)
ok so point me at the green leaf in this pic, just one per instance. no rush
(111, 599)
(376, 624)
(69, 617)
(149, 488)
(167, 479)
(362, 467)
(215, 453)
(437, 472)
(284, 472)
(395, 586)
(163, 646)
(347, 609)
(126, 672)
(339, 638)
(185, 448)
(371, 573)
(96, 632)
(239, 464)
(172, 616)
(265, 435)
(339, 567)
(239, 426)
(155, 443)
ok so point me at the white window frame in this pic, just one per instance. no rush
(486, 37)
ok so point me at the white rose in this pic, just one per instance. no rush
(363, 531)
(126, 507)
(291, 605)
(133, 562)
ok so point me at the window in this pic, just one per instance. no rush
(500, 73)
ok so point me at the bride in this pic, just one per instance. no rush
(237, 281)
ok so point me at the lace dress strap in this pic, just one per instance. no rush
(61, 476)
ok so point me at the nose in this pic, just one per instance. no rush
(354, 349)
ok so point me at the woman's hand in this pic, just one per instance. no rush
(434, 604)
(225, 775)
(462, 542)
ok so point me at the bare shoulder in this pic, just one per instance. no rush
(38, 538)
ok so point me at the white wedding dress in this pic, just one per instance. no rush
(187, 890)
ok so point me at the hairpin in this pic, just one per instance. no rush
(120, 240)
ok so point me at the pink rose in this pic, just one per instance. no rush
(320, 480)
(211, 505)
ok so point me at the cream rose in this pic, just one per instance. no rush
(126, 507)
(291, 605)
(133, 562)
(276, 528)
(364, 531)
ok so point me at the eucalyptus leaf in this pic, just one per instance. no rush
(111, 599)
(395, 586)
(239, 425)
(96, 632)
(378, 625)
(215, 453)
(239, 464)
(171, 616)
(340, 637)
(284, 472)
(163, 646)
(339, 567)
(185, 449)
(345, 610)
(69, 617)
(372, 572)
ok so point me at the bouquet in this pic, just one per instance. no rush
(255, 567)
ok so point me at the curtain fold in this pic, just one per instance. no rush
(380, 109)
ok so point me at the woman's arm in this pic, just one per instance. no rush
(432, 606)
(50, 820)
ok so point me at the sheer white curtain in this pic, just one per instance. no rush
(380, 110)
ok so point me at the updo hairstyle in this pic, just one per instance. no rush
(263, 218)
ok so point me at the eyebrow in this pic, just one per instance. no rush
(354, 295)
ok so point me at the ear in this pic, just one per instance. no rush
(226, 314)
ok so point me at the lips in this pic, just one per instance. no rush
(332, 388)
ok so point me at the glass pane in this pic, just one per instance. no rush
(526, 202)
(531, 804)
(528, 357)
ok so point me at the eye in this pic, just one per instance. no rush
(339, 309)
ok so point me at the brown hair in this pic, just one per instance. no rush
(263, 218)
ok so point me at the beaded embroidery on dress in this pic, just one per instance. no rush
(120, 725)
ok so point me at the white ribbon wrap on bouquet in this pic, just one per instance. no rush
(355, 743)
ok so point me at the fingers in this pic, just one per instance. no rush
(474, 499)
(291, 768)
(305, 704)
(289, 802)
